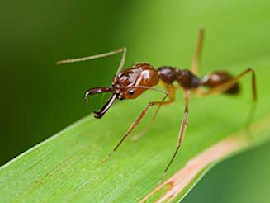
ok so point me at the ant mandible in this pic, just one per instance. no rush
(130, 83)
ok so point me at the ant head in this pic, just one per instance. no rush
(128, 84)
(132, 82)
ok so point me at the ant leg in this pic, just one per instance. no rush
(197, 55)
(171, 96)
(181, 131)
(226, 85)
(135, 123)
(122, 61)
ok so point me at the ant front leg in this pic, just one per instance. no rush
(181, 131)
(136, 122)
(171, 96)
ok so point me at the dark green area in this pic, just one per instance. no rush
(244, 178)
(38, 98)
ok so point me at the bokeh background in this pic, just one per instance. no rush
(39, 98)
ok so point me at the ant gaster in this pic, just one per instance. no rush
(132, 82)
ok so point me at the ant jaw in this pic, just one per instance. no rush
(105, 108)
(98, 114)
(119, 96)
(85, 97)
(95, 90)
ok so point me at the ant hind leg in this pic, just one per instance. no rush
(223, 87)
(181, 131)
(227, 85)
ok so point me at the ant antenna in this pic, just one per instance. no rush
(197, 55)
(122, 61)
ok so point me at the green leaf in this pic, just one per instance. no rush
(68, 167)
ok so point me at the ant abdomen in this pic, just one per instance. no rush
(219, 77)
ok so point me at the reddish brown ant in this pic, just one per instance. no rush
(132, 82)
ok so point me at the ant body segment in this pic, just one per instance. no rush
(130, 83)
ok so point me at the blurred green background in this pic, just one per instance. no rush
(39, 98)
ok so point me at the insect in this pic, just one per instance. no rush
(132, 82)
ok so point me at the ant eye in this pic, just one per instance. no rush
(131, 92)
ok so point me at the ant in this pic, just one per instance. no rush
(130, 83)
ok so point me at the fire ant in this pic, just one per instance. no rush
(130, 83)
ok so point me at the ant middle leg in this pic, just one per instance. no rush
(136, 123)
(171, 96)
